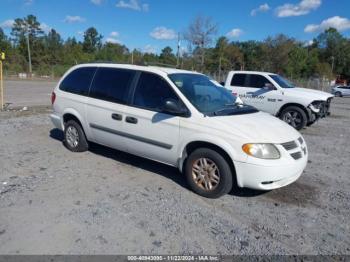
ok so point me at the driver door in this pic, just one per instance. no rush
(262, 94)
(151, 133)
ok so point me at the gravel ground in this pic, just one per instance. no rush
(104, 201)
(17, 95)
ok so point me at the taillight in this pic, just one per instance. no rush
(53, 98)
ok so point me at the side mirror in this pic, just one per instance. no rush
(222, 83)
(173, 107)
(269, 86)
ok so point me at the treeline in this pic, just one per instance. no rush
(328, 54)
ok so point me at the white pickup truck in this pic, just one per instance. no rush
(273, 94)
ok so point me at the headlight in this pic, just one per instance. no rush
(264, 151)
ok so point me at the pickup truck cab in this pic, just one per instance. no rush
(179, 118)
(271, 93)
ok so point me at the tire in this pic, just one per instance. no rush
(338, 94)
(223, 172)
(74, 137)
(294, 116)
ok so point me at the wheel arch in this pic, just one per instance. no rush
(71, 114)
(193, 145)
(306, 111)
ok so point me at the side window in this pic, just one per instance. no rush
(152, 91)
(257, 81)
(238, 80)
(112, 84)
(78, 81)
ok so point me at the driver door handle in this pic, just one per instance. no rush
(131, 120)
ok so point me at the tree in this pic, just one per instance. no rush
(253, 56)
(113, 52)
(53, 44)
(276, 53)
(92, 40)
(334, 49)
(297, 61)
(27, 35)
(200, 34)
(4, 42)
(167, 56)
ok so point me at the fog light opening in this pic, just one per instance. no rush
(267, 182)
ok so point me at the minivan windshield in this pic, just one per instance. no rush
(206, 96)
(284, 83)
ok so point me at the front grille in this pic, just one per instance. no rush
(296, 155)
(290, 145)
(295, 145)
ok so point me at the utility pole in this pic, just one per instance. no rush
(2, 57)
(332, 57)
(178, 51)
(132, 57)
(28, 47)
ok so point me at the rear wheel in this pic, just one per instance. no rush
(208, 173)
(338, 94)
(74, 137)
(294, 116)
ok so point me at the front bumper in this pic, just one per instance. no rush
(268, 178)
(272, 174)
(323, 109)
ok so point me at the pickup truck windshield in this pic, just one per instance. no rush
(204, 95)
(284, 83)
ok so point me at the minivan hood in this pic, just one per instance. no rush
(257, 127)
(310, 93)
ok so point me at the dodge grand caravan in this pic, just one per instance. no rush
(179, 118)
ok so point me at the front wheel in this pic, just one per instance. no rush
(208, 173)
(294, 116)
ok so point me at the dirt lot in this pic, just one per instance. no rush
(103, 201)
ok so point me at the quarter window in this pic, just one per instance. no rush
(112, 84)
(152, 91)
(78, 81)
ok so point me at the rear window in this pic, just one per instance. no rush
(238, 80)
(112, 84)
(78, 81)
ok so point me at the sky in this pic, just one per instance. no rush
(150, 25)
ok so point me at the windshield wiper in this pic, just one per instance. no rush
(234, 106)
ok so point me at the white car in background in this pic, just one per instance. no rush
(341, 91)
(179, 118)
(273, 94)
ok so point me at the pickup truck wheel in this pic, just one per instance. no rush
(74, 137)
(208, 173)
(338, 94)
(294, 116)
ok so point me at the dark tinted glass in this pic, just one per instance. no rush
(238, 80)
(152, 91)
(111, 84)
(257, 81)
(78, 81)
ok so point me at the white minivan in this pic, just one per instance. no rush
(179, 118)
